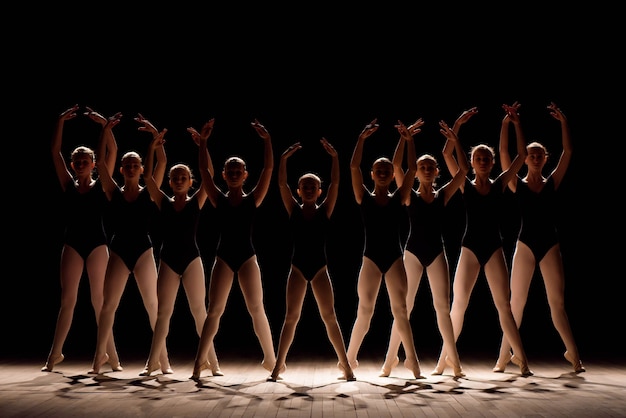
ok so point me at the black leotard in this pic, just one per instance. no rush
(235, 229)
(538, 226)
(383, 227)
(425, 240)
(482, 230)
(179, 246)
(84, 214)
(131, 230)
(309, 241)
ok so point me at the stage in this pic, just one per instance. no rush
(310, 388)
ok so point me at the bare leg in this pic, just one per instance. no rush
(96, 271)
(146, 276)
(439, 281)
(522, 270)
(220, 285)
(498, 280)
(296, 291)
(70, 274)
(368, 286)
(114, 283)
(465, 277)
(249, 276)
(195, 290)
(168, 284)
(324, 295)
(396, 282)
(414, 270)
(554, 279)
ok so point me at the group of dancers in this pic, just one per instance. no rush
(404, 189)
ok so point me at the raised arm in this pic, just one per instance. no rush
(398, 155)
(63, 173)
(158, 173)
(510, 173)
(333, 187)
(204, 160)
(449, 148)
(406, 186)
(566, 155)
(355, 163)
(155, 147)
(107, 141)
(263, 185)
(458, 178)
(111, 145)
(289, 201)
(503, 148)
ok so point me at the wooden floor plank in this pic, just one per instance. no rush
(310, 388)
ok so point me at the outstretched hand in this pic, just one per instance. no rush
(466, 115)
(291, 150)
(556, 112)
(146, 125)
(159, 139)
(69, 113)
(328, 147)
(512, 111)
(100, 119)
(447, 131)
(260, 129)
(416, 127)
(204, 133)
(369, 129)
(403, 130)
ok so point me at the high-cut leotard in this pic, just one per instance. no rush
(538, 227)
(425, 240)
(235, 229)
(84, 214)
(482, 230)
(131, 226)
(179, 246)
(383, 226)
(309, 241)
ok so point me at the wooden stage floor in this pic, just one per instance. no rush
(310, 388)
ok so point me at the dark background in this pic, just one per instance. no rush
(305, 74)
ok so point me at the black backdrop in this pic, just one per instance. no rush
(321, 73)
